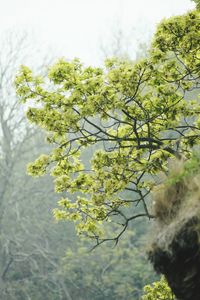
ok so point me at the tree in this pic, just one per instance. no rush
(107, 273)
(158, 291)
(197, 3)
(29, 260)
(137, 115)
(121, 45)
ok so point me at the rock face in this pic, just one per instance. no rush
(180, 263)
(175, 250)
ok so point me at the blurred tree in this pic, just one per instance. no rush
(108, 273)
(197, 3)
(124, 46)
(29, 252)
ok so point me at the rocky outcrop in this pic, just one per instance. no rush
(175, 250)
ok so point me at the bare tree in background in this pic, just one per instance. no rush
(29, 252)
(124, 45)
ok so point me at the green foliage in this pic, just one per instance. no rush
(107, 273)
(197, 3)
(188, 170)
(136, 115)
(158, 291)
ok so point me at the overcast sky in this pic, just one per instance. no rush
(76, 28)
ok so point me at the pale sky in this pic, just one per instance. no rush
(75, 28)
